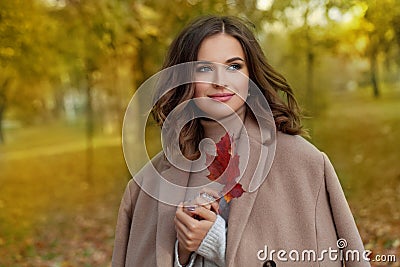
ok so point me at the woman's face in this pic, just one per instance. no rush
(224, 75)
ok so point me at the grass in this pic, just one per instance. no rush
(42, 135)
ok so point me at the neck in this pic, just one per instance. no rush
(232, 124)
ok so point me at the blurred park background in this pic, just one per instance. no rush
(68, 69)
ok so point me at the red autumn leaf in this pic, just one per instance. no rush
(235, 192)
(227, 198)
(223, 164)
(224, 148)
(215, 168)
(224, 168)
(232, 171)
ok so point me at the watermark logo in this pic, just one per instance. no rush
(340, 253)
(341, 243)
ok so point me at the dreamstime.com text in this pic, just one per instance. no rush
(331, 254)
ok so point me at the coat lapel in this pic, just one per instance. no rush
(240, 210)
(238, 216)
(241, 207)
(166, 235)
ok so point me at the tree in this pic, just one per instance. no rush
(102, 36)
(381, 34)
(26, 55)
(308, 30)
(370, 34)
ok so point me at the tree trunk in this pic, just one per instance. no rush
(310, 56)
(3, 103)
(89, 129)
(374, 75)
(59, 103)
(2, 109)
(310, 80)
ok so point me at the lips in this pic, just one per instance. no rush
(223, 97)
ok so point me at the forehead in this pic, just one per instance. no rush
(219, 48)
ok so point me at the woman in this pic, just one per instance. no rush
(295, 212)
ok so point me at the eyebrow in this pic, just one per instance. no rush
(227, 61)
(234, 59)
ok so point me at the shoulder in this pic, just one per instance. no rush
(295, 144)
(156, 164)
(298, 164)
(160, 162)
(294, 149)
(140, 186)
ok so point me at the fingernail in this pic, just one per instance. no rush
(191, 208)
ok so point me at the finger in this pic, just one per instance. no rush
(180, 207)
(211, 192)
(190, 208)
(185, 218)
(202, 202)
(187, 208)
(210, 197)
(183, 208)
(182, 240)
(181, 229)
(190, 240)
(215, 207)
(205, 214)
(207, 197)
(187, 244)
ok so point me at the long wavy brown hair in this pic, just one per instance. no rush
(185, 47)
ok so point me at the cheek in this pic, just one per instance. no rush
(242, 87)
(200, 89)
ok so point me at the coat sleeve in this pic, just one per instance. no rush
(344, 222)
(124, 224)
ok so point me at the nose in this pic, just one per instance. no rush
(219, 79)
(219, 86)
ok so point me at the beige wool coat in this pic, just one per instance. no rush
(299, 207)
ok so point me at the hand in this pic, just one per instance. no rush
(192, 225)
(191, 232)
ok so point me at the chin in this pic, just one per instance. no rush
(215, 109)
(218, 113)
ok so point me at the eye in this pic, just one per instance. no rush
(234, 66)
(204, 68)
